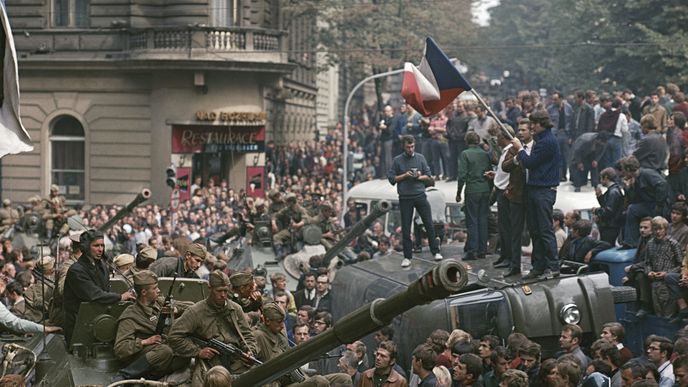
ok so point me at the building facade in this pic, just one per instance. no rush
(113, 93)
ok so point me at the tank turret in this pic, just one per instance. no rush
(379, 209)
(449, 277)
(144, 195)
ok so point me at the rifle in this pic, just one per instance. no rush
(161, 320)
(228, 350)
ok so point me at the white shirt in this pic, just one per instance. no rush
(17, 324)
(621, 125)
(501, 179)
(437, 204)
(666, 374)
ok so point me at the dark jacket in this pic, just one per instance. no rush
(473, 163)
(576, 249)
(544, 161)
(517, 177)
(649, 187)
(583, 120)
(652, 151)
(325, 303)
(300, 298)
(87, 281)
(610, 213)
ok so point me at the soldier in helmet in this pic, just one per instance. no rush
(244, 292)
(56, 307)
(257, 216)
(328, 228)
(287, 225)
(276, 202)
(272, 341)
(216, 317)
(8, 215)
(137, 343)
(39, 295)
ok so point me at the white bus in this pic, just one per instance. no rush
(368, 193)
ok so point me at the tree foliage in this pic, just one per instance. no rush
(599, 44)
(379, 35)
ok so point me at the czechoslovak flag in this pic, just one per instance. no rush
(432, 85)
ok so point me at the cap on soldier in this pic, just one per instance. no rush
(148, 253)
(273, 312)
(46, 263)
(274, 193)
(145, 278)
(241, 279)
(197, 249)
(6, 202)
(217, 279)
(123, 259)
(291, 196)
(54, 187)
(260, 202)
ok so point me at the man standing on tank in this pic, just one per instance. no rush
(543, 166)
(410, 171)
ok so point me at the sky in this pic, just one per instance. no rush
(480, 14)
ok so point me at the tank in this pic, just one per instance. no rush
(447, 278)
(294, 263)
(144, 195)
(91, 361)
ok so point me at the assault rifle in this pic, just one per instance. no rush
(228, 350)
(161, 317)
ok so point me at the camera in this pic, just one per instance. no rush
(415, 172)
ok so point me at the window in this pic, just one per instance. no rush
(223, 13)
(71, 13)
(67, 156)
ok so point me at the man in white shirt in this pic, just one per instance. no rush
(501, 181)
(659, 350)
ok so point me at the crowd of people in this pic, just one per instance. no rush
(630, 149)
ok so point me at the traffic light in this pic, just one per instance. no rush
(171, 172)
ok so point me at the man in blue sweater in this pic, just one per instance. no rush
(543, 172)
(410, 171)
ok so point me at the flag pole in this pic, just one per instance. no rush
(499, 122)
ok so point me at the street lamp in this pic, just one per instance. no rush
(345, 154)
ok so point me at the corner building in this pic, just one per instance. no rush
(113, 92)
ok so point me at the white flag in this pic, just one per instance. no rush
(13, 136)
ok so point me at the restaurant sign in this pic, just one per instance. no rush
(215, 138)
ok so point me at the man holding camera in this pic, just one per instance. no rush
(411, 172)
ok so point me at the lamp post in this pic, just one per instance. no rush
(345, 154)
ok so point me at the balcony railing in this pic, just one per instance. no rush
(151, 40)
(209, 38)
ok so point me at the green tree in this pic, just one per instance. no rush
(380, 35)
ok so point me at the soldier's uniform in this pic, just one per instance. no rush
(167, 266)
(56, 313)
(136, 323)
(121, 261)
(8, 215)
(324, 221)
(206, 320)
(293, 212)
(247, 304)
(39, 295)
(276, 202)
(271, 344)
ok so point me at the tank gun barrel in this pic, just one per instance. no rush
(379, 209)
(449, 277)
(144, 195)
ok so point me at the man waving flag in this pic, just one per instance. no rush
(433, 84)
(13, 136)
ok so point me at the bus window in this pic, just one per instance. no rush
(393, 219)
(481, 313)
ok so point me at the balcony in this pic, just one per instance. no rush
(156, 44)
